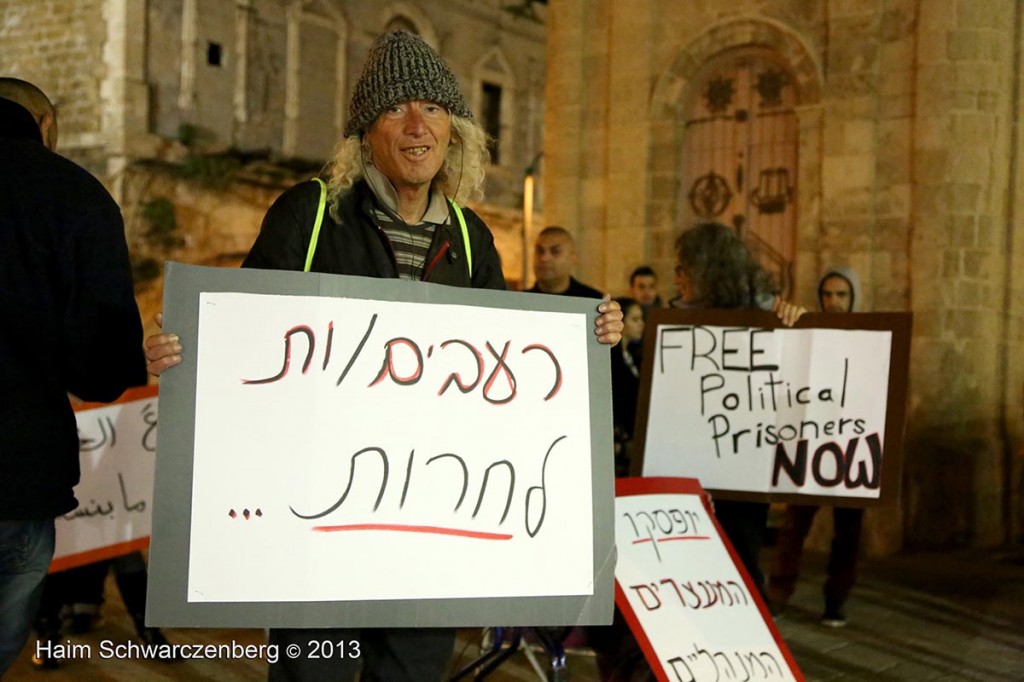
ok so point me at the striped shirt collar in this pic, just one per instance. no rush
(384, 191)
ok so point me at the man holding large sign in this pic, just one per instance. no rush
(838, 292)
(409, 144)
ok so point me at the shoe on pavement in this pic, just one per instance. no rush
(777, 610)
(834, 617)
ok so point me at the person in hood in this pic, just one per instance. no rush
(838, 292)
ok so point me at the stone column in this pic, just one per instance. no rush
(124, 91)
(567, 92)
(955, 473)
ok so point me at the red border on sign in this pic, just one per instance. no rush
(121, 548)
(98, 554)
(625, 487)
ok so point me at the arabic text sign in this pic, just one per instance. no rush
(329, 429)
(695, 614)
(117, 443)
(744, 407)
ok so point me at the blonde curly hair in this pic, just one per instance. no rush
(461, 177)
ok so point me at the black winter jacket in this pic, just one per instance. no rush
(357, 246)
(68, 318)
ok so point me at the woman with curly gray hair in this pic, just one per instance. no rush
(715, 269)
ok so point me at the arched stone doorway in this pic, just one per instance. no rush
(733, 123)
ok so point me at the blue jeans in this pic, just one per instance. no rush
(26, 548)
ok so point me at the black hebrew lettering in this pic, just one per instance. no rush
(351, 480)
(388, 366)
(408, 478)
(455, 377)
(532, 532)
(511, 488)
(465, 474)
(557, 384)
(535, 508)
(286, 364)
(327, 346)
(408, 351)
(681, 675)
(703, 665)
(503, 368)
(648, 595)
(714, 592)
(356, 352)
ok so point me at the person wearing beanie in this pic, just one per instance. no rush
(838, 292)
(410, 156)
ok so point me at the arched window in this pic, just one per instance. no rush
(493, 102)
(740, 154)
(401, 23)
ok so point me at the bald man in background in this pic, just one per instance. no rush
(554, 259)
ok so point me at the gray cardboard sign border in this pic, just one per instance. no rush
(167, 603)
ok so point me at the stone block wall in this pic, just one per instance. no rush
(58, 45)
(909, 172)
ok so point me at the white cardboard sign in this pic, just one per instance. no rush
(117, 443)
(693, 610)
(393, 445)
(774, 410)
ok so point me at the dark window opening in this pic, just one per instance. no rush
(490, 118)
(213, 54)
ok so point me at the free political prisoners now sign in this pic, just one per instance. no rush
(759, 411)
(684, 592)
(349, 452)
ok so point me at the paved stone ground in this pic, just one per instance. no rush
(914, 618)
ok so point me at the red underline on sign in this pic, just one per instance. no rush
(671, 539)
(400, 528)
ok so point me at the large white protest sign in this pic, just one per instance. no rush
(387, 430)
(690, 605)
(757, 408)
(367, 450)
(116, 449)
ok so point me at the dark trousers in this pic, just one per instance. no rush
(744, 524)
(842, 559)
(385, 654)
(26, 548)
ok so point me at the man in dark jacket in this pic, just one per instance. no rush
(389, 209)
(554, 259)
(68, 325)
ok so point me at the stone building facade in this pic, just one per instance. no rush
(894, 147)
(168, 80)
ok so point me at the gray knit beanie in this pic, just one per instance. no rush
(401, 67)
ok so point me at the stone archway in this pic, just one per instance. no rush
(672, 91)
